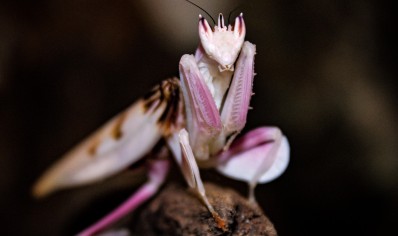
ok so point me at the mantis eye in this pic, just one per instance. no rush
(204, 28)
(239, 27)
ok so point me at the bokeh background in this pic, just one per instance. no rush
(326, 77)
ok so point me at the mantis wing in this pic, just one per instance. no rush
(119, 143)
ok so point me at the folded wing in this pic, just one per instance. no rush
(119, 143)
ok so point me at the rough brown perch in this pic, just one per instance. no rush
(176, 211)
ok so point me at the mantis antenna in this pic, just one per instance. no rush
(214, 22)
(230, 13)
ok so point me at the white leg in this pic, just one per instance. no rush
(190, 169)
(191, 173)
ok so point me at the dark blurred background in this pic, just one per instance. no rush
(326, 72)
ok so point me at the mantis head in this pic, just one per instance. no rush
(222, 43)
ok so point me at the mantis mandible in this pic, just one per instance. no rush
(198, 117)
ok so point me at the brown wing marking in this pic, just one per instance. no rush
(92, 150)
(117, 129)
(168, 92)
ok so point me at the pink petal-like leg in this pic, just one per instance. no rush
(157, 174)
(260, 156)
(203, 119)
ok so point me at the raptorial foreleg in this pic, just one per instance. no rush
(237, 102)
(202, 116)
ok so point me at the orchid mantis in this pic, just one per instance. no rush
(198, 117)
